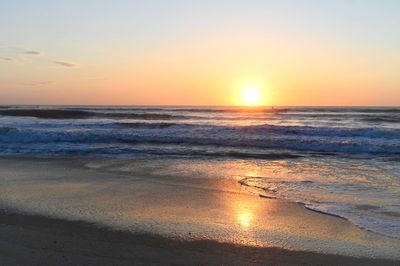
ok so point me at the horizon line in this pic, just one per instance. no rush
(202, 105)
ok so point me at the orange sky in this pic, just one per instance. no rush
(203, 54)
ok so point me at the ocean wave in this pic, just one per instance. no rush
(378, 110)
(220, 154)
(231, 110)
(139, 116)
(278, 109)
(384, 119)
(346, 110)
(226, 131)
(42, 113)
(242, 137)
(228, 114)
(267, 130)
(118, 151)
(5, 130)
(188, 110)
(79, 114)
(326, 131)
(122, 126)
(149, 125)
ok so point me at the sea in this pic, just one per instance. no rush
(342, 161)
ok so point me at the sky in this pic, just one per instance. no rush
(200, 52)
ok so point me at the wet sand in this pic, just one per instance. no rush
(58, 211)
(38, 240)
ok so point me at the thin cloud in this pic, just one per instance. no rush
(26, 55)
(32, 52)
(39, 83)
(64, 64)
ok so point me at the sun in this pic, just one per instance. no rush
(251, 96)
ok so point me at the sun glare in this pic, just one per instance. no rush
(251, 96)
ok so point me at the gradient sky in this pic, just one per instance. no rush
(199, 52)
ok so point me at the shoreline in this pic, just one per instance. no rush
(124, 199)
(28, 239)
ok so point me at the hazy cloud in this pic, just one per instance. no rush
(32, 52)
(64, 64)
(27, 55)
(39, 83)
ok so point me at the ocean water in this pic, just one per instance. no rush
(340, 161)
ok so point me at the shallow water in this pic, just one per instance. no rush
(342, 161)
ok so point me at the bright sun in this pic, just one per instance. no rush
(251, 96)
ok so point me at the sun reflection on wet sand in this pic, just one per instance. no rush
(245, 218)
(246, 211)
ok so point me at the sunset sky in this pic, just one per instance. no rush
(200, 52)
